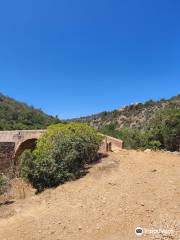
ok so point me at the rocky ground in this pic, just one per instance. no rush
(125, 190)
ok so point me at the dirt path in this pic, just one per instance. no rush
(126, 190)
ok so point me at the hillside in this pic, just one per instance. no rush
(16, 115)
(132, 116)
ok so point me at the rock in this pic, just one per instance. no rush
(176, 153)
(80, 228)
(112, 184)
(147, 150)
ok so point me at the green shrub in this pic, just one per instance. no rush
(24, 165)
(110, 130)
(154, 144)
(60, 155)
(165, 127)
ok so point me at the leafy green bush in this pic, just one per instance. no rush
(130, 137)
(154, 144)
(165, 128)
(24, 165)
(110, 130)
(60, 155)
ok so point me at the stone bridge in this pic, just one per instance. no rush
(13, 143)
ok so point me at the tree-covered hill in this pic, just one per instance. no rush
(15, 115)
(132, 116)
(153, 124)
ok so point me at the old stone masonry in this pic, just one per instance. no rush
(13, 143)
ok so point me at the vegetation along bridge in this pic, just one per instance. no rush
(13, 143)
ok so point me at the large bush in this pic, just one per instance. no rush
(60, 155)
(165, 128)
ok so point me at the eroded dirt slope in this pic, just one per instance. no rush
(126, 190)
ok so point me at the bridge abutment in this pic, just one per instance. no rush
(7, 150)
(13, 143)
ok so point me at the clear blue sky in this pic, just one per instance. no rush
(74, 58)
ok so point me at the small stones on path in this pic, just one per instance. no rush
(154, 170)
(80, 228)
(98, 228)
(112, 183)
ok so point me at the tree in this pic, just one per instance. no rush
(165, 127)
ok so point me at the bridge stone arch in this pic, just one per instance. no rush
(27, 144)
(13, 143)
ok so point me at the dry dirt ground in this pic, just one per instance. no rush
(125, 190)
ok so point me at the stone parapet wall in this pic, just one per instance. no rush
(116, 144)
